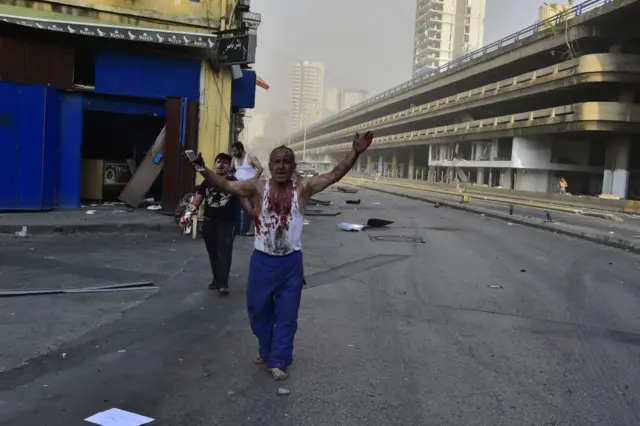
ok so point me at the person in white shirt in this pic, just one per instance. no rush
(276, 272)
(244, 166)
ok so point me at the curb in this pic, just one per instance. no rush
(620, 243)
(97, 228)
(503, 200)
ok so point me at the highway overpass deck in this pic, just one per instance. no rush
(581, 117)
(532, 48)
(567, 82)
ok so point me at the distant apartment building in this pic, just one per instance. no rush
(446, 30)
(338, 99)
(307, 85)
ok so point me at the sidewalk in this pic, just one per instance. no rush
(105, 218)
(590, 206)
(624, 235)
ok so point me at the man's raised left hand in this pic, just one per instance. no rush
(361, 143)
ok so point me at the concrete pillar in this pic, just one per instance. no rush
(616, 175)
(394, 165)
(369, 164)
(411, 164)
(381, 165)
(506, 178)
(480, 176)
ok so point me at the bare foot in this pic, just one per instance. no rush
(258, 360)
(277, 374)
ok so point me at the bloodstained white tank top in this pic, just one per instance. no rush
(278, 234)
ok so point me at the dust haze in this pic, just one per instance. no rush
(363, 44)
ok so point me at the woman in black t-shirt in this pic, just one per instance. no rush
(218, 227)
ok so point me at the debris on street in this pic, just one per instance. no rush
(351, 227)
(371, 223)
(320, 213)
(283, 391)
(346, 190)
(143, 285)
(316, 202)
(22, 233)
(118, 417)
(378, 223)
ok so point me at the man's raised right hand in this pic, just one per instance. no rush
(197, 163)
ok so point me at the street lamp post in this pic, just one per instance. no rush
(304, 145)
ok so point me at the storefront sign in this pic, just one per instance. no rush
(147, 35)
(237, 50)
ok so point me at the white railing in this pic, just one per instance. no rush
(577, 10)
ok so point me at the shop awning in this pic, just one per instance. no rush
(76, 25)
(261, 83)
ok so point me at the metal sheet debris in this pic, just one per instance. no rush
(378, 223)
(143, 285)
(398, 239)
(316, 202)
(321, 213)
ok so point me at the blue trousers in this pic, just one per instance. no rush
(273, 300)
(244, 221)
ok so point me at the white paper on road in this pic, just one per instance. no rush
(118, 417)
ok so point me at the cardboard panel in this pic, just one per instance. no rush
(146, 173)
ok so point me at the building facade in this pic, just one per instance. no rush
(307, 91)
(446, 30)
(116, 83)
(550, 10)
(338, 99)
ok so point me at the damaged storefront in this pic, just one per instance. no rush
(91, 111)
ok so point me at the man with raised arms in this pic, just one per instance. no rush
(276, 272)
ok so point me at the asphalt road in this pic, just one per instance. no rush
(629, 229)
(445, 318)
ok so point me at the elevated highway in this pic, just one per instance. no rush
(594, 27)
(583, 117)
(588, 77)
(559, 98)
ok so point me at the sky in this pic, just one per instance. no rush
(364, 44)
